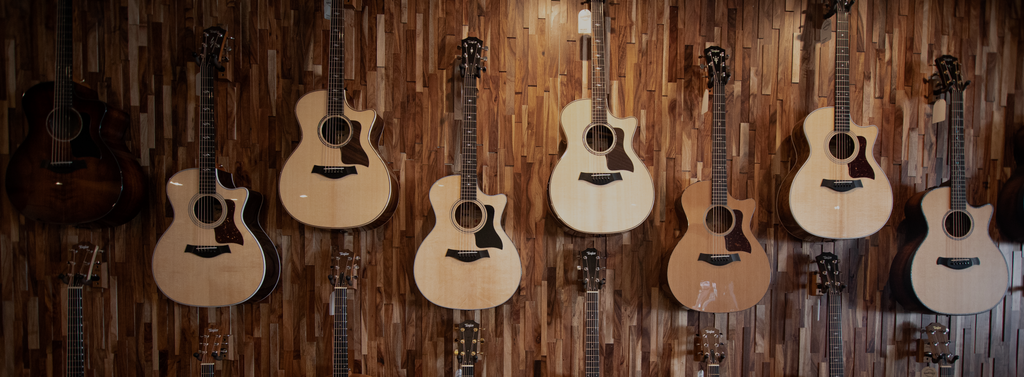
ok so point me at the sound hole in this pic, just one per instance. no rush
(468, 215)
(958, 224)
(600, 138)
(208, 209)
(719, 219)
(841, 146)
(335, 131)
(64, 124)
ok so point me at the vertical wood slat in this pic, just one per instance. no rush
(138, 56)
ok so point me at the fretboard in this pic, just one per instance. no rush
(599, 104)
(593, 349)
(713, 370)
(958, 200)
(75, 343)
(467, 370)
(206, 370)
(341, 332)
(945, 371)
(336, 64)
(65, 52)
(835, 335)
(207, 128)
(469, 131)
(842, 108)
(719, 179)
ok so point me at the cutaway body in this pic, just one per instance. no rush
(363, 199)
(975, 275)
(242, 264)
(451, 283)
(699, 272)
(599, 206)
(810, 210)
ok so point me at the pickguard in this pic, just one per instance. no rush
(83, 145)
(617, 158)
(860, 167)
(353, 153)
(227, 232)
(487, 236)
(736, 240)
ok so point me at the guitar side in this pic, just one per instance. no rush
(918, 282)
(450, 283)
(248, 273)
(812, 212)
(584, 207)
(716, 289)
(363, 200)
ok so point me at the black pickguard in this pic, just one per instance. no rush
(617, 158)
(83, 145)
(487, 236)
(735, 240)
(353, 153)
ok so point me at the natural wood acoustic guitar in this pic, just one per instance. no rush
(936, 349)
(215, 253)
(949, 264)
(718, 266)
(73, 168)
(599, 185)
(467, 261)
(344, 273)
(84, 259)
(213, 347)
(1010, 207)
(335, 178)
(836, 190)
(712, 350)
(590, 268)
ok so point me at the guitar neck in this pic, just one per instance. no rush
(207, 130)
(65, 53)
(593, 349)
(712, 370)
(75, 342)
(599, 102)
(341, 332)
(469, 130)
(206, 370)
(958, 200)
(835, 335)
(467, 370)
(945, 371)
(336, 64)
(719, 179)
(842, 106)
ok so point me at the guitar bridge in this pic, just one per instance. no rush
(334, 172)
(600, 179)
(63, 167)
(718, 259)
(958, 263)
(467, 255)
(841, 185)
(207, 251)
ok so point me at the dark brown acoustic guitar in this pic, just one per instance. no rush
(73, 168)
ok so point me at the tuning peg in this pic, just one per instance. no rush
(456, 352)
(484, 58)
(481, 341)
(726, 57)
(487, 48)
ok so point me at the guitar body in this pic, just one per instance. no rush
(919, 282)
(813, 212)
(1010, 208)
(247, 271)
(448, 282)
(102, 186)
(611, 207)
(707, 287)
(364, 199)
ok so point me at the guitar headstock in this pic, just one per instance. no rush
(937, 348)
(718, 71)
(712, 349)
(213, 47)
(828, 271)
(467, 338)
(212, 347)
(949, 74)
(344, 270)
(590, 269)
(81, 267)
(472, 57)
(835, 6)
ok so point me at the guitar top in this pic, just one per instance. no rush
(73, 168)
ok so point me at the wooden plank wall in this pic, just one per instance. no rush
(138, 55)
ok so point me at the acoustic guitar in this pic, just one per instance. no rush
(590, 275)
(712, 350)
(85, 257)
(335, 178)
(936, 349)
(599, 185)
(949, 264)
(830, 284)
(718, 266)
(215, 253)
(344, 273)
(213, 347)
(73, 168)
(1010, 207)
(467, 261)
(836, 190)
(467, 346)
